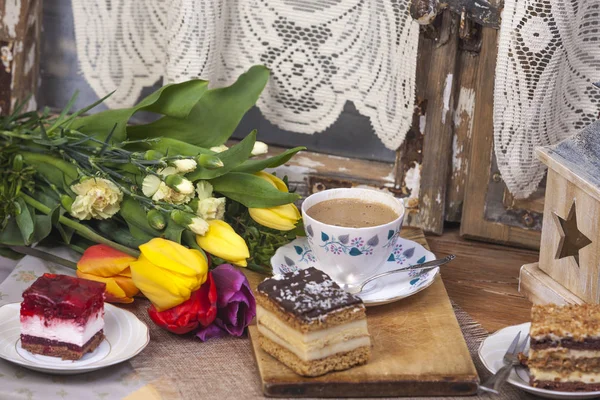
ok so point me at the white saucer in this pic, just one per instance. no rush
(125, 336)
(297, 255)
(492, 350)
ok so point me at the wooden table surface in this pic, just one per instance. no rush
(484, 278)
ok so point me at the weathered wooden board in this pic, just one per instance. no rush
(540, 288)
(482, 183)
(20, 28)
(437, 136)
(464, 108)
(418, 350)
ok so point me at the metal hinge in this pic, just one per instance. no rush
(481, 12)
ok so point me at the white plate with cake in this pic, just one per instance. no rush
(63, 326)
(560, 362)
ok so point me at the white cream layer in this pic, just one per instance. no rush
(305, 355)
(313, 345)
(562, 353)
(63, 330)
(585, 377)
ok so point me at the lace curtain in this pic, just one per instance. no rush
(322, 53)
(548, 57)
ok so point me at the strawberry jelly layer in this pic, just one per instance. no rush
(62, 330)
(65, 297)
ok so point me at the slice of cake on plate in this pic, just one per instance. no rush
(310, 324)
(62, 316)
(564, 350)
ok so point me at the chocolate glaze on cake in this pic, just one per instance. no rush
(586, 344)
(308, 294)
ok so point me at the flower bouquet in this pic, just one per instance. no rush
(164, 208)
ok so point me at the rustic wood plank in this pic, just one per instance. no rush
(418, 349)
(20, 52)
(474, 223)
(409, 157)
(463, 131)
(540, 288)
(437, 139)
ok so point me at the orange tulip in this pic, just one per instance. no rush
(102, 263)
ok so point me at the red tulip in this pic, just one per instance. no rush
(199, 310)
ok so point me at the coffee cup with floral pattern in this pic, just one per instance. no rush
(347, 254)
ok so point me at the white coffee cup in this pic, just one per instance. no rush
(350, 255)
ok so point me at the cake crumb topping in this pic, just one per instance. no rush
(568, 321)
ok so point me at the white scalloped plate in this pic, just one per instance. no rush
(297, 255)
(125, 336)
(492, 350)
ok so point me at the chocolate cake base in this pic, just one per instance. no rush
(54, 348)
(335, 362)
(565, 386)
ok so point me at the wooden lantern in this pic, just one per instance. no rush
(569, 266)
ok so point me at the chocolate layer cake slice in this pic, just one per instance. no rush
(62, 316)
(564, 350)
(310, 324)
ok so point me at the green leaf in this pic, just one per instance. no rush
(231, 158)
(44, 162)
(189, 239)
(173, 100)
(252, 166)
(135, 216)
(120, 234)
(251, 191)
(25, 221)
(11, 254)
(216, 115)
(170, 146)
(173, 231)
(11, 234)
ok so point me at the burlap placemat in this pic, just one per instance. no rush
(182, 367)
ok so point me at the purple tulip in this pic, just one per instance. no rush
(235, 303)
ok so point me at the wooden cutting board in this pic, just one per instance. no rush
(418, 350)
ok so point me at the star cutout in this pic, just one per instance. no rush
(571, 238)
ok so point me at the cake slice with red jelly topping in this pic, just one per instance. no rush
(62, 316)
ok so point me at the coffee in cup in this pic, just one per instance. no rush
(352, 213)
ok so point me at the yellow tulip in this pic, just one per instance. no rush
(273, 180)
(167, 273)
(282, 218)
(221, 240)
(102, 263)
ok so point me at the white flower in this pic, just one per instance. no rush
(204, 190)
(219, 149)
(198, 226)
(180, 184)
(211, 208)
(186, 187)
(96, 198)
(169, 195)
(167, 171)
(259, 148)
(185, 166)
(150, 185)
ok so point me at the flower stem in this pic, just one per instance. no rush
(30, 251)
(79, 228)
